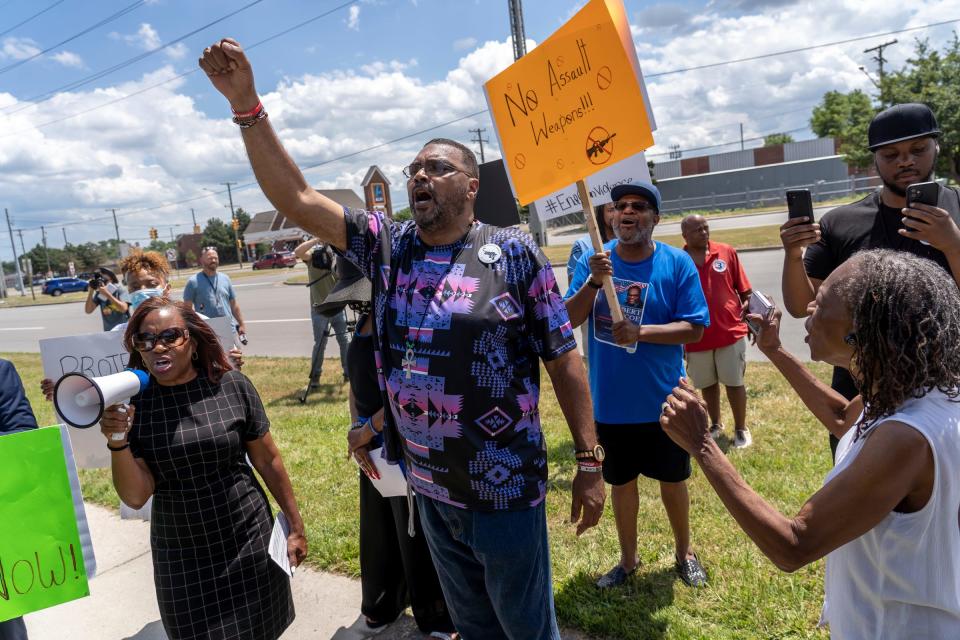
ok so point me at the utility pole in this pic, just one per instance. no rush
(116, 228)
(516, 29)
(741, 137)
(46, 251)
(880, 60)
(28, 265)
(233, 221)
(194, 216)
(64, 229)
(515, 7)
(480, 140)
(16, 259)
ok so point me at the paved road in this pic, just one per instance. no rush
(277, 315)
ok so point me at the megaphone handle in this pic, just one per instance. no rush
(120, 436)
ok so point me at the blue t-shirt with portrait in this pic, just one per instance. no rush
(628, 388)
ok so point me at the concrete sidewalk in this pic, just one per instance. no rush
(123, 605)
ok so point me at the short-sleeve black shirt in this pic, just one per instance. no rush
(859, 226)
(462, 328)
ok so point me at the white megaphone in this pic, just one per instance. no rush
(80, 400)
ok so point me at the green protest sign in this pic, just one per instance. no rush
(41, 561)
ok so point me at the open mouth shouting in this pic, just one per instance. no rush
(161, 365)
(421, 198)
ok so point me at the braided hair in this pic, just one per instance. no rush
(906, 336)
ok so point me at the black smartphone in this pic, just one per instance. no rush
(924, 193)
(799, 204)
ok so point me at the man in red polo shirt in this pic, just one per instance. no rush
(721, 355)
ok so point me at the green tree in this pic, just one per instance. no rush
(402, 215)
(243, 218)
(160, 245)
(219, 234)
(846, 117)
(933, 78)
(774, 139)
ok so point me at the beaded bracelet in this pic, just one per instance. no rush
(246, 115)
(246, 124)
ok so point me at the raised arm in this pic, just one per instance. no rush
(894, 470)
(230, 72)
(833, 410)
(799, 289)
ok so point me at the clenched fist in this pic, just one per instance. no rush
(230, 72)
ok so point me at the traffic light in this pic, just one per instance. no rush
(239, 244)
(196, 228)
(153, 233)
(236, 224)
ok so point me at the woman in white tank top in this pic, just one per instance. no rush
(888, 515)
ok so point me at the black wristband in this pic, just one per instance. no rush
(125, 446)
(593, 284)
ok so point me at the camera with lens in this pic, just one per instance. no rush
(97, 281)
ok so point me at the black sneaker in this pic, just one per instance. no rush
(692, 572)
(615, 577)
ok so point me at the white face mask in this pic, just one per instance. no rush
(137, 297)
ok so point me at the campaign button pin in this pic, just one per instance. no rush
(490, 253)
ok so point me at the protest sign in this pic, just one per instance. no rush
(573, 105)
(41, 561)
(495, 203)
(95, 355)
(79, 509)
(632, 297)
(600, 184)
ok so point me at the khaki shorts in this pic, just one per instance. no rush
(725, 365)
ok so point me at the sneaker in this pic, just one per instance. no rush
(716, 430)
(742, 439)
(692, 572)
(615, 577)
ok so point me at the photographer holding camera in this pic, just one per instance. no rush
(107, 294)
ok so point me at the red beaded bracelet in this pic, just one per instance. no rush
(246, 115)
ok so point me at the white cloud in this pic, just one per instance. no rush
(353, 20)
(18, 48)
(68, 59)
(159, 147)
(148, 38)
(464, 43)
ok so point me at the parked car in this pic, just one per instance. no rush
(276, 260)
(57, 286)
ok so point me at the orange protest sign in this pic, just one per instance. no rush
(573, 105)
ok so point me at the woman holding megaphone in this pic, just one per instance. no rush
(184, 440)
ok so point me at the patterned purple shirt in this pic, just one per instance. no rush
(462, 332)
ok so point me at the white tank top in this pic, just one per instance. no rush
(901, 579)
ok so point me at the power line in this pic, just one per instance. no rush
(36, 15)
(107, 20)
(799, 50)
(721, 144)
(40, 98)
(279, 34)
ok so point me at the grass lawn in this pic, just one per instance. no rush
(748, 238)
(14, 299)
(748, 598)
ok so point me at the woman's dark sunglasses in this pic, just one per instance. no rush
(172, 337)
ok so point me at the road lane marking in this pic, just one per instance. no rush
(22, 328)
(279, 320)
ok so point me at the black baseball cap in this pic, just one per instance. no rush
(902, 122)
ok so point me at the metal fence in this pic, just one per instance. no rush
(820, 190)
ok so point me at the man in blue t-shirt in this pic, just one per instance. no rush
(635, 364)
(211, 293)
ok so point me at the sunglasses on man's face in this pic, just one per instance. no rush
(639, 207)
(172, 337)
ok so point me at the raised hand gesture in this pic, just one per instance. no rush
(229, 71)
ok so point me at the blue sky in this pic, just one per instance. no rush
(371, 71)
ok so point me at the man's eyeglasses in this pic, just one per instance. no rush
(433, 168)
(639, 207)
(172, 337)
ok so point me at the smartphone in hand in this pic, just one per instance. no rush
(923, 193)
(758, 305)
(799, 205)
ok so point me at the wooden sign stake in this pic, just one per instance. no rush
(594, 231)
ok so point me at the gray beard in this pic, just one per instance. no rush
(640, 236)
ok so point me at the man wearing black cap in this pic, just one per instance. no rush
(903, 139)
